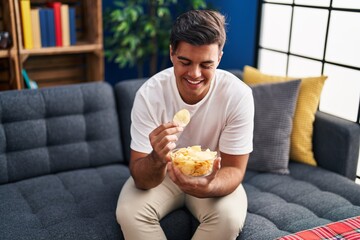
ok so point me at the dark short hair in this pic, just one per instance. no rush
(199, 27)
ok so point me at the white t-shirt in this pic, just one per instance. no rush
(222, 120)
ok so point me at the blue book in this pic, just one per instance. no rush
(43, 27)
(51, 27)
(72, 25)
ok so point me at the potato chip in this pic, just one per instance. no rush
(182, 117)
(196, 148)
(194, 161)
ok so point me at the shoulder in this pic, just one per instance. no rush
(158, 83)
(161, 78)
(228, 83)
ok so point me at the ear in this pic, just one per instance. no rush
(220, 56)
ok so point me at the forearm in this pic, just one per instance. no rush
(226, 181)
(147, 173)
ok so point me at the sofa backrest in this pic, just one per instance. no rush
(125, 92)
(57, 129)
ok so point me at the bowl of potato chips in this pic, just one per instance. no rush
(194, 161)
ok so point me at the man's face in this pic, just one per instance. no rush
(194, 68)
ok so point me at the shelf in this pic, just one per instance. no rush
(83, 62)
(51, 66)
(63, 50)
(48, 70)
(4, 53)
(9, 74)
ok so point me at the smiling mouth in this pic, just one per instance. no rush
(193, 82)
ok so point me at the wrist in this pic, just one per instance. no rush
(155, 161)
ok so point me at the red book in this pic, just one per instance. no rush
(57, 22)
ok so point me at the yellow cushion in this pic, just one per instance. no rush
(307, 104)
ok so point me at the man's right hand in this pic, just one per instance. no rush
(162, 140)
(149, 170)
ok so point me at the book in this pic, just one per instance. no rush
(26, 24)
(65, 29)
(35, 24)
(72, 25)
(51, 27)
(56, 6)
(44, 27)
(28, 82)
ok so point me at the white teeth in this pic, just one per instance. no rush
(193, 82)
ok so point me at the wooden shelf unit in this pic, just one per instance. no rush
(50, 66)
(9, 61)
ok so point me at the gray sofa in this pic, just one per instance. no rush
(64, 154)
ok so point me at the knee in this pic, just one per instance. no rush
(124, 213)
(234, 223)
(127, 214)
(229, 221)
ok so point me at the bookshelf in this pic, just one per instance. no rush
(57, 65)
(9, 74)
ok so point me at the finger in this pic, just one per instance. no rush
(165, 126)
(166, 140)
(162, 127)
(170, 131)
(163, 144)
(216, 166)
(170, 170)
(181, 178)
(175, 172)
(163, 152)
(162, 139)
(168, 156)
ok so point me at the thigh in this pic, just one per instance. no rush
(234, 203)
(220, 218)
(157, 201)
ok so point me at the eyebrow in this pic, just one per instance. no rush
(186, 59)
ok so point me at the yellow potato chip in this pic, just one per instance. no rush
(196, 148)
(182, 117)
(194, 161)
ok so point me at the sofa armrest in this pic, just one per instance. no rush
(336, 144)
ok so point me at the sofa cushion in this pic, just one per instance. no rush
(306, 198)
(301, 148)
(57, 129)
(76, 204)
(274, 110)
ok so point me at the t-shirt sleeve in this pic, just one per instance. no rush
(237, 136)
(142, 125)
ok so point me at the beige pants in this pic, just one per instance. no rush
(138, 212)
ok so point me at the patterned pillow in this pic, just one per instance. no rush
(274, 110)
(344, 229)
(301, 148)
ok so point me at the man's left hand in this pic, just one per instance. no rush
(196, 186)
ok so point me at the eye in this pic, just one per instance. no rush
(206, 66)
(185, 63)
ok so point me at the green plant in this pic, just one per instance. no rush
(138, 31)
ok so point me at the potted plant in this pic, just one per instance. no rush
(138, 31)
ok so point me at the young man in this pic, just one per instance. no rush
(222, 111)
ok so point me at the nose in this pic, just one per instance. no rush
(194, 72)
